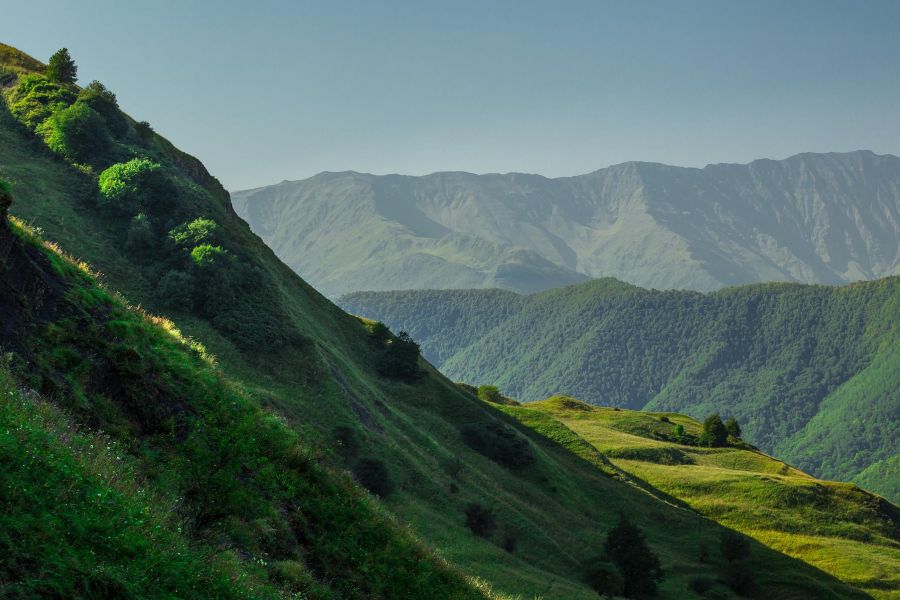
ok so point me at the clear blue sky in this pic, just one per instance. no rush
(264, 91)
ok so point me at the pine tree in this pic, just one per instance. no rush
(627, 549)
(61, 68)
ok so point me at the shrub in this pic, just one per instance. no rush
(373, 475)
(399, 358)
(490, 393)
(140, 240)
(734, 546)
(733, 428)
(133, 186)
(35, 98)
(480, 520)
(346, 441)
(198, 231)
(144, 130)
(104, 102)
(207, 256)
(61, 68)
(176, 290)
(714, 433)
(77, 133)
(500, 443)
(639, 566)
(605, 579)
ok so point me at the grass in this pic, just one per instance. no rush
(283, 494)
(834, 526)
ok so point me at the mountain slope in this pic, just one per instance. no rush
(729, 484)
(251, 438)
(811, 371)
(812, 218)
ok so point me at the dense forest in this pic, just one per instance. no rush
(811, 371)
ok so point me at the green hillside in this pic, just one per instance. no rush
(811, 371)
(224, 452)
(746, 490)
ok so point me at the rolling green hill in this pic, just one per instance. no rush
(224, 452)
(812, 372)
(746, 490)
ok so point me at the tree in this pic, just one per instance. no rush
(714, 433)
(5, 199)
(627, 549)
(134, 186)
(490, 393)
(61, 68)
(733, 428)
(400, 358)
(77, 133)
(98, 97)
(734, 546)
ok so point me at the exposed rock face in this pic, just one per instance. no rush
(812, 218)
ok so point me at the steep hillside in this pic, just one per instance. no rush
(811, 371)
(812, 218)
(244, 456)
(746, 490)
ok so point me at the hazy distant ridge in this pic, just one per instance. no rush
(812, 218)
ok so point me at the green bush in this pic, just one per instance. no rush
(176, 290)
(399, 358)
(143, 130)
(35, 99)
(199, 231)
(490, 393)
(104, 102)
(714, 433)
(77, 133)
(480, 520)
(734, 546)
(134, 186)
(374, 475)
(733, 428)
(627, 548)
(141, 240)
(500, 443)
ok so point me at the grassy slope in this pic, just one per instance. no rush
(558, 509)
(810, 371)
(837, 527)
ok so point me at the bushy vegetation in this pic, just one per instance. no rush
(714, 435)
(807, 370)
(398, 356)
(500, 443)
(480, 520)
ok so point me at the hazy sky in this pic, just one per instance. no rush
(264, 91)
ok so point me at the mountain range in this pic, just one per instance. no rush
(811, 218)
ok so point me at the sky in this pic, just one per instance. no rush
(265, 91)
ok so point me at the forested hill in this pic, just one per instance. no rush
(811, 218)
(813, 372)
